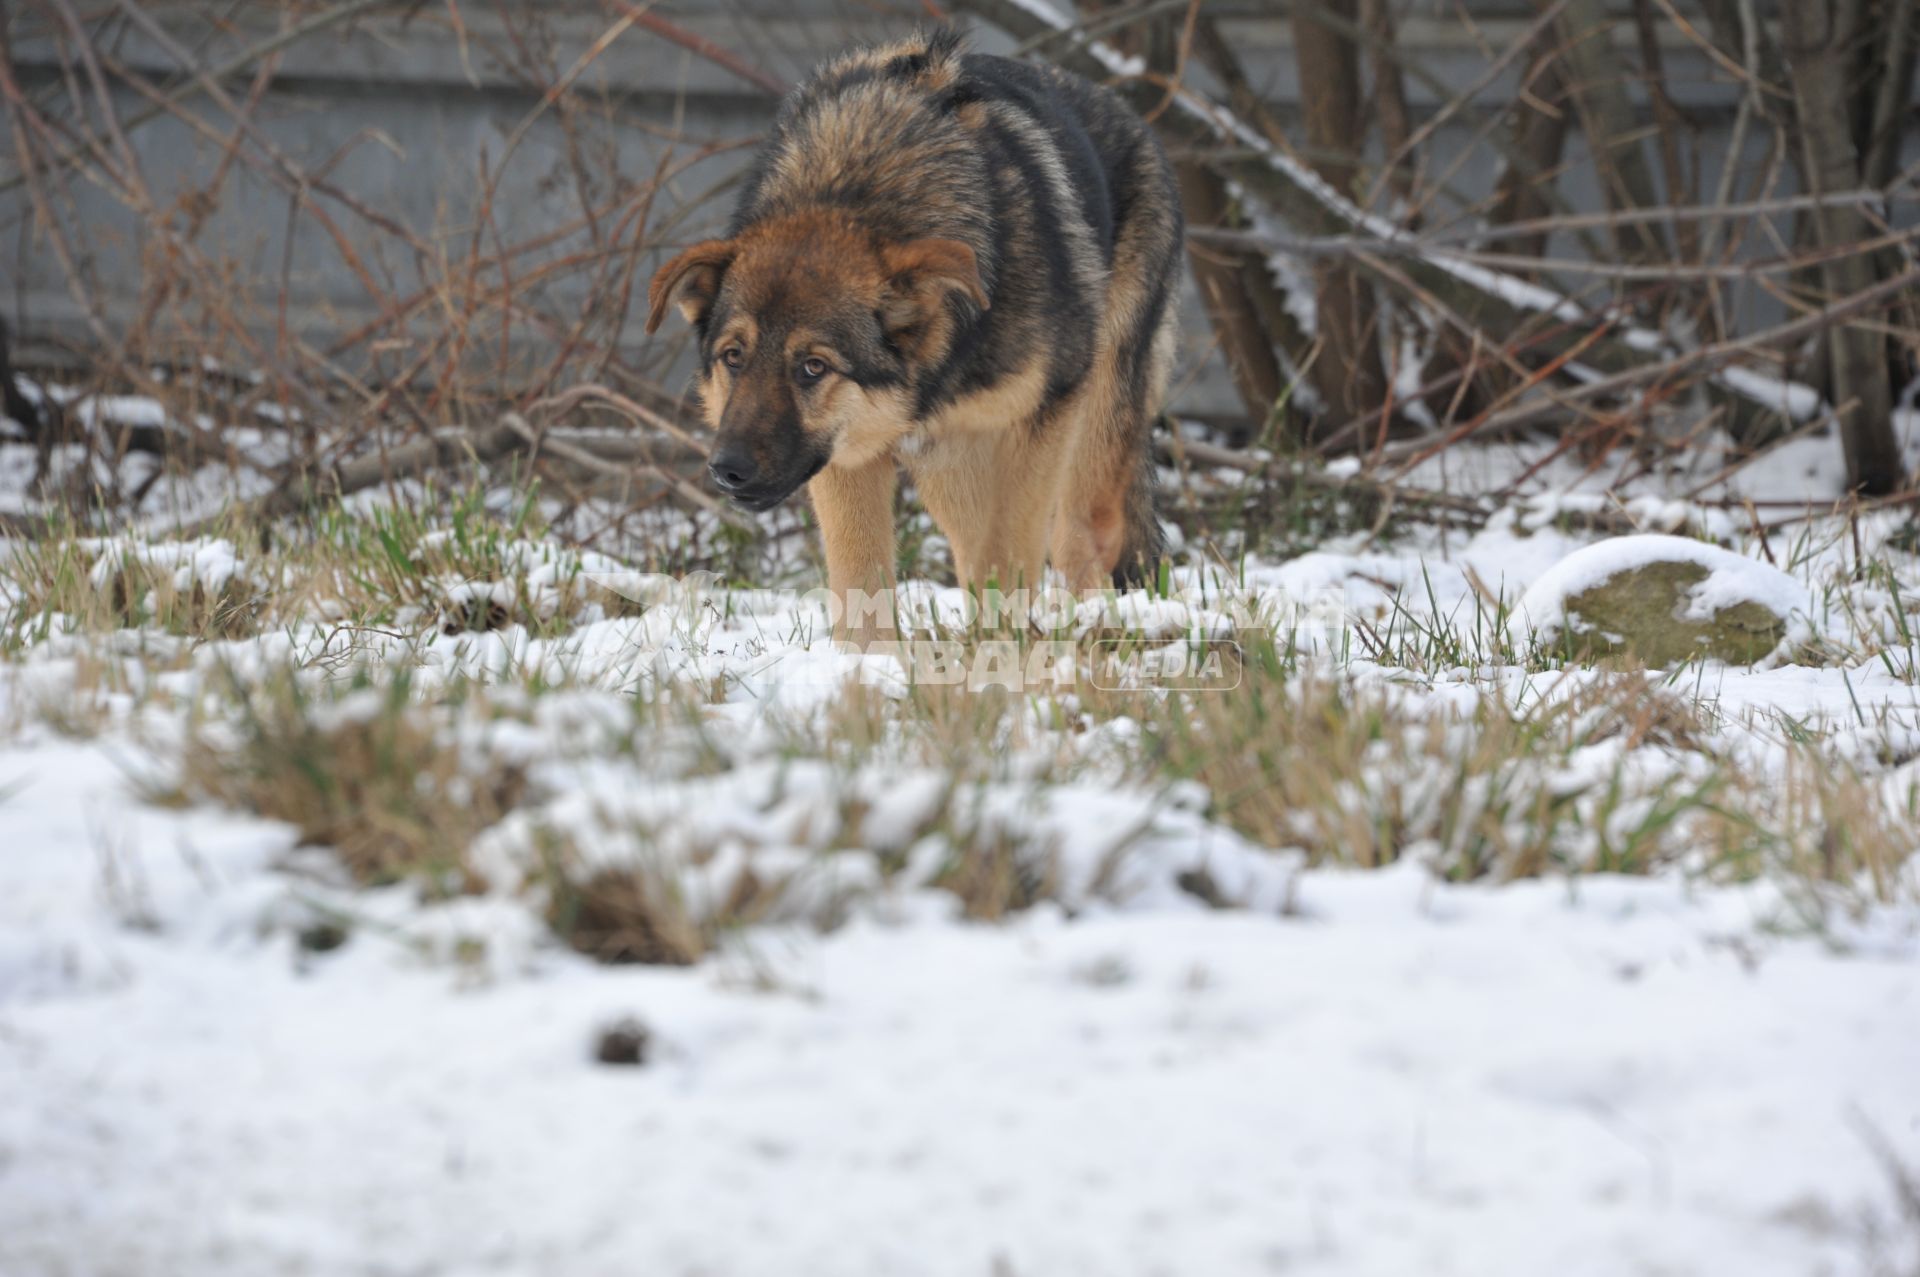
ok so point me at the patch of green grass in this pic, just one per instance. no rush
(68, 584)
(450, 565)
(388, 784)
(1619, 776)
(447, 564)
(1474, 634)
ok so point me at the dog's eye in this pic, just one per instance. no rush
(733, 356)
(812, 369)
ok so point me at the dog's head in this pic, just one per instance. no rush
(812, 335)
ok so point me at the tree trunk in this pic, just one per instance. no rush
(1818, 38)
(1389, 98)
(1667, 119)
(1538, 124)
(1220, 276)
(1347, 371)
(1891, 119)
(1730, 35)
(1597, 77)
(1893, 96)
(1233, 284)
(1242, 99)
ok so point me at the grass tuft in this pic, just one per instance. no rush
(381, 781)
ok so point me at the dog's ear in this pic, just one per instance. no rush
(920, 274)
(693, 279)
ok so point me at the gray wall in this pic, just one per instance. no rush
(402, 112)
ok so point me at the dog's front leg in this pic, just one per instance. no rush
(993, 497)
(855, 509)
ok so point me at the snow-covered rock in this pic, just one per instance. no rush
(1664, 600)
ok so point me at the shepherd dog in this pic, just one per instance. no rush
(959, 265)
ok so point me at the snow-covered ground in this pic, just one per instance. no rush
(1349, 1072)
(1389, 1075)
(1605, 1077)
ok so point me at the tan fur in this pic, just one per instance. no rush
(692, 279)
(1002, 492)
(843, 138)
(995, 494)
(1089, 532)
(855, 508)
(991, 481)
(872, 424)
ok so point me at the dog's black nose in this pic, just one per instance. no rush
(733, 469)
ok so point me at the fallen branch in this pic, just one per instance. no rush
(1180, 452)
(1698, 361)
(1353, 246)
(639, 456)
(511, 434)
(1471, 513)
(436, 452)
(567, 400)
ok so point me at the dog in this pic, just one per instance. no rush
(958, 264)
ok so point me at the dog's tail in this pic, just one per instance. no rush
(1140, 552)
